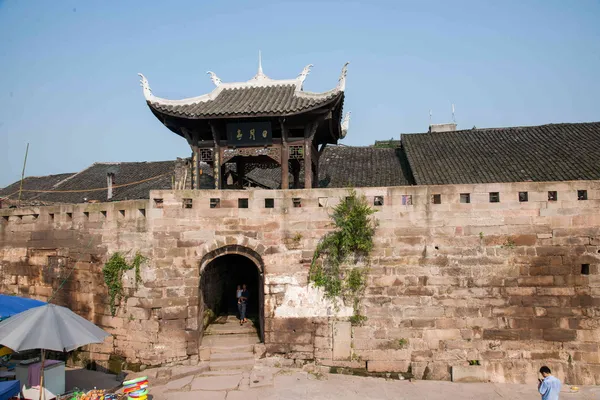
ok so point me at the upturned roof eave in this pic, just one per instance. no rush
(327, 102)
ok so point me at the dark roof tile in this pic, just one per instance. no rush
(554, 152)
(250, 101)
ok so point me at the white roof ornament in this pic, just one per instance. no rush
(345, 124)
(260, 76)
(342, 80)
(302, 76)
(214, 78)
(259, 80)
(145, 87)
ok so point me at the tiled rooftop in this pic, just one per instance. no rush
(273, 100)
(557, 152)
(554, 152)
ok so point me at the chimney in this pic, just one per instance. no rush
(110, 178)
(450, 127)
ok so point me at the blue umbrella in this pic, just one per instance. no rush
(11, 305)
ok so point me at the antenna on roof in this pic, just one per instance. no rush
(453, 118)
(260, 71)
(430, 114)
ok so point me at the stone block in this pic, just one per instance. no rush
(560, 335)
(176, 312)
(470, 373)
(500, 334)
(342, 340)
(204, 353)
(289, 337)
(388, 366)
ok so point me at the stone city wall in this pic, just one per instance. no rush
(511, 284)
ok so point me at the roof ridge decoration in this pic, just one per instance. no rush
(302, 75)
(259, 80)
(345, 124)
(215, 79)
(342, 80)
(145, 87)
(260, 76)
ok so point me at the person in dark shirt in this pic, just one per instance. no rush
(243, 303)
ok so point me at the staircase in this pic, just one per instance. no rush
(229, 346)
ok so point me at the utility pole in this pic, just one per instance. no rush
(23, 175)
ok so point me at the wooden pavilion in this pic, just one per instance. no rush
(263, 122)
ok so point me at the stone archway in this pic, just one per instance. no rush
(223, 268)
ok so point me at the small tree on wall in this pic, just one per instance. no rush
(113, 276)
(334, 264)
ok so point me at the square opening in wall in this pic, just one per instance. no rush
(5, 218)
(297, 201)
(158, 203)
(436, 198)
(465, 198)
(407, 200)
(494, 197)
(103, 214)
(121, 213)
(69, 216)
(552, 195)
(378, 201)
(323, 201)
(86, 215)
(142, 212)
(51, 216)
(582, 195)
(585, 269)
(269, 203)
(523, 197)
(242, 203)
(187, 203)
(215, 203)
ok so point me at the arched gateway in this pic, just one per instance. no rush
(221, 270)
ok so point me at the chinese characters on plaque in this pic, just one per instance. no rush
(249, 134)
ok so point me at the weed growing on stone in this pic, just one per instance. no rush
(113, 274)
(394, 344)
(358, 320)
(509, 244)
(350, 242)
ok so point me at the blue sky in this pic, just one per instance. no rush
(68, 82)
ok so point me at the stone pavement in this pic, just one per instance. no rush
(266, 383)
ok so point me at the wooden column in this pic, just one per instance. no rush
(309, 134)
(241, 171)
(196, 162)
(216, 156)
(296, 173)
(285, 157)
(315, 168)
(192, 139)
(308, 173)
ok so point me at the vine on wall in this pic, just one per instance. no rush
(333, 266)
(113, 276)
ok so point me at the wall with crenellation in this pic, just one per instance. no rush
(514, 285)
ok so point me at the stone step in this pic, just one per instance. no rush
(229, 329)
(244, 348)
(223, 372)
(242, 365)
(231, 356)
(229, 340)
